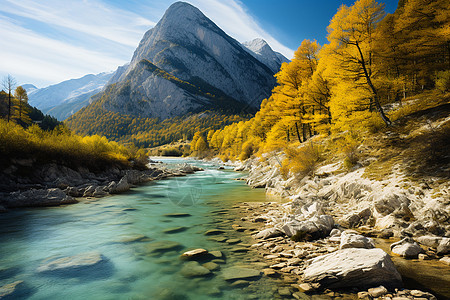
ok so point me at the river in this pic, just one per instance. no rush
(179, 209)
(122, 228)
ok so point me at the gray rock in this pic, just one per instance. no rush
(76, 262)
(89, 191)
(316, 227)
(269, 233)
(407, 248)
(352, 240)
(99, 192)
(120, 187)
(429, 240)
(41, 197)
(444, 247)
(236, 273)
(194, 269)
(353, 267)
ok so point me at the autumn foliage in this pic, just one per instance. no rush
(355, 84)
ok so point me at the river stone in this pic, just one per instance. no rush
(240, 283)
(269, 233)
(134, 239)
(233, 241)
(444, 247)
(214, 232)
(300, 296)
(353, 267)
(194, 254)
(284, 291)
(236, 273)
(445, 260)
(378, 291)
(162, 246)
(315, 228)
(174, 229)
(79, 261)
(219, 239)
(211, 266)
(177, 215)
(194, 269)
(429, 240)
(239, 250)
(8, 290)
(216, 254)
(351, 240)
(407, 248)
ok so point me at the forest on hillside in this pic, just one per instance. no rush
(375, 69)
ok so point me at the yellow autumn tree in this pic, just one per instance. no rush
(351, 54)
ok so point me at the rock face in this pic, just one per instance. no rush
(76, 262)
(353, 267)
(42, 197)
(66, 98)
(186, 63)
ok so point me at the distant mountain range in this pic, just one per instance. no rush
(64, 99)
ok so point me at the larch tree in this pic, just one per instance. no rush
(22, 112)
(351, 37)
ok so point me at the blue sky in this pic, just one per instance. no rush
(48, 41)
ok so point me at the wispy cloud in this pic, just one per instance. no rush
(48, 41)
(32, 55)
(89, 17)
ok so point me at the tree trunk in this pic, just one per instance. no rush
(374, 91)
(298, 133)
(9, 105)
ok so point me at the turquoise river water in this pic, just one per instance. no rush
(108, 225)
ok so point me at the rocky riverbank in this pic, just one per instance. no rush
(326, 236)
(53, 185)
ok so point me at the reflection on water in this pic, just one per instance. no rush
(124, 228)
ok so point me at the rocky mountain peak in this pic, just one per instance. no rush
(182, 13)
(261, 50)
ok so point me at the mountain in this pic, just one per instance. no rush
(264, 53)
(64, 99)
(185, 65)
(29, 87)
